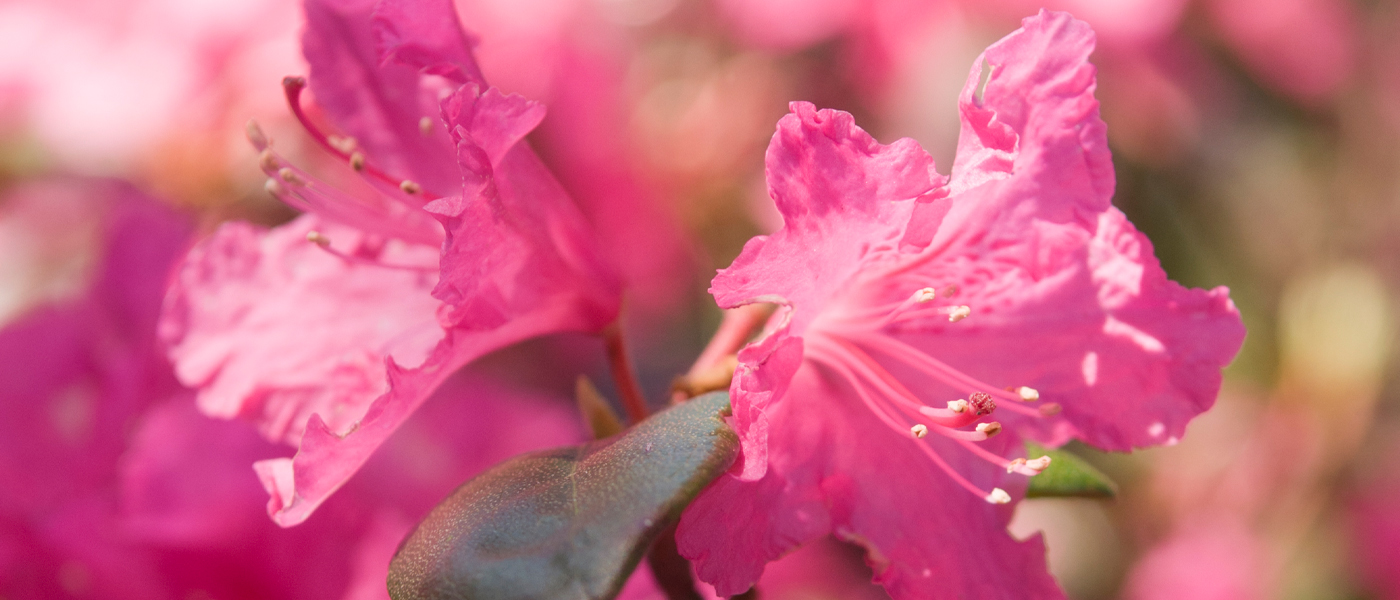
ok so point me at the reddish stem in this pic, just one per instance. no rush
(624, 374)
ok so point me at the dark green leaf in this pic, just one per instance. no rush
(1067, 476)
(570, 523)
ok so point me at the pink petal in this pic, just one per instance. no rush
(765, 367)
(838, 191)
(518, 251)
(272, 328)
(834, 468)
(425, 34)
(381, 104)
(1051, 269)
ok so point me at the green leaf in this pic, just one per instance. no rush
(1067, 476)
(569, 523)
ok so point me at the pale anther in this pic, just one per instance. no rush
(267, 160)
(425, 125)
(409, 187)
(998, 496)
(255, 134)
(289, 176)
(1015, 463)
(925, 295)
(357, 161)
(274, 187)
(958, 406)
(1028, 394)
(317, 238)
(990, 429)
(919, 430)
(1039, 464)
(959, 313)
(1049, 409)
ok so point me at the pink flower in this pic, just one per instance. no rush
(918, 307)
(1374, 524)
(113, 485)
(1304, 48)
(168, 71)
(1210, 559)
(330, 331)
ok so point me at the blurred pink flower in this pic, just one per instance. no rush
(1209, 559)
(1016, 271)
(1304, 48)
(78, 373)
(294, 328)
(101, 84)
(887, 36)
(116, 487)
(1374, 526)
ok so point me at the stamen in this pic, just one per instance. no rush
(290, 176)
(357, 161)
(292, 87)
(1049, 409)
(919, 430)
(837, 351)
(958, 406)
(324, 243)
(959, 313)
(1028, 394)
(1038, 464)
(936, 369)
(880, 413)
(255, 134)
(274, 187)
(998, 496)
(267, 160)
(920, 296)
(409, 187)
(963, 436)
(425, 125)
(990, 429)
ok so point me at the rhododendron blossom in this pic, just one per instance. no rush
(328, 332)
(929, 323)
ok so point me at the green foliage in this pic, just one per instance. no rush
(569, 523)
(1067, 476)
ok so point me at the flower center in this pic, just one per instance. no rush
(394, 213)
(844, 343)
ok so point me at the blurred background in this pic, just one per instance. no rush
(1256, 143)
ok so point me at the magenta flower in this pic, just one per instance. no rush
(1306, 49)
(1216, 557)
(328, 332)
(917, 308)
(116, 487)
